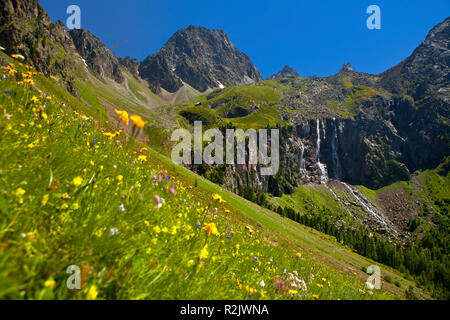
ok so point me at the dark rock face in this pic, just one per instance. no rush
(200, 57)
(287, 72)
(426, 69)
(131, 65)
(347, 67)
(402, 129)
(97, 56)
(25, 28)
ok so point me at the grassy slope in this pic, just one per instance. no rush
(264, 97)
(431, 188)
(48, 221)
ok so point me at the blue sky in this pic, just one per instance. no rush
(314, 37)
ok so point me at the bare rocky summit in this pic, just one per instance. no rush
(203, 58)
(287, 72)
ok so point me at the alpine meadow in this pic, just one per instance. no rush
(189, 176)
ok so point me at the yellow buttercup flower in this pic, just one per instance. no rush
(218, 197)
(92, 293)
(66, 196)
(50, 283)
(142, 158)
(157, 229)
(204, 253)
(109, 134)
(20, 192)
(77, 181)
(45, 199)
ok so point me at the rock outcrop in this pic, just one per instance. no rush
(287, 72)
(204, 59)
(25, 28)
(428, 68)
(131, 65)
(97, 56)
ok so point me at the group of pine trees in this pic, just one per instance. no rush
(426, 259)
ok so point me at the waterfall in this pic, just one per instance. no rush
(302, 157)
(340, 202)
(322, 167)
(337, 169)
(376, 215)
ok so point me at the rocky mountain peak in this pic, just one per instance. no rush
(287, 72)
(131, 65)
(96, 55)
(427, 68)
(203, 58)
(347, 67)
(22, 9)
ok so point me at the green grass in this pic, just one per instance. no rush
(63, 184)
(262, 101)
(313, 198)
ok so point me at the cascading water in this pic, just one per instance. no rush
(376, 215)
(340, 202)
(322, 167)
(337, 169)
(302, 158)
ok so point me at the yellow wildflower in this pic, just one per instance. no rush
(50, 283)
(211, 228)
(45, 199)
(138, 122)
(218, 197)
(204, 253)
(66, 196)
(20, 192)
(92, 293)
(109, 134)
(142, 158)
(123, 116)
(77, 181)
